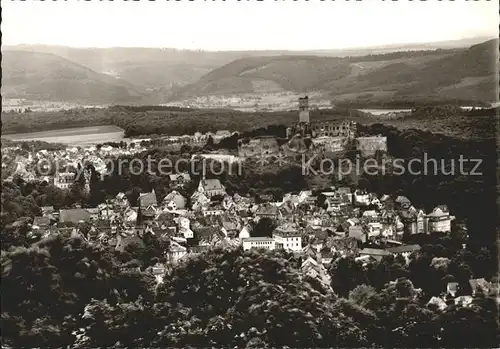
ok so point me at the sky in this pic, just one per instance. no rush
(245, 25)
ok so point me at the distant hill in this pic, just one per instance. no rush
(467, 74)
(148, 68)
(162, 68)
(154, 75)
(44, 76)
(270, 74)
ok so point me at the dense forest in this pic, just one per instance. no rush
(167, 120)
(62, 291)
(153, 120)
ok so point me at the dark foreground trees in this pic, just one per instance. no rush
(62, 292)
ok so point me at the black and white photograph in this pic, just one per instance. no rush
(250, 174)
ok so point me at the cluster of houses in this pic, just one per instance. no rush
(56, 166)
(463, 298)
(334, 222)
(317, 227)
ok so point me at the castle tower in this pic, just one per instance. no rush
(353, 129)
(304, 109)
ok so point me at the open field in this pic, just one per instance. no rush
(76, 136)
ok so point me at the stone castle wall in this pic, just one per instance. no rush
(333, 128)
(257, 146)
(332, 136)
(369, 145)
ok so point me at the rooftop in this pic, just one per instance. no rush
(211, 184)
(147, 199)
(259, 238)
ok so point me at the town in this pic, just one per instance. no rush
(196, 215)
(250, 174)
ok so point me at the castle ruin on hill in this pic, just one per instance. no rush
(332, 137)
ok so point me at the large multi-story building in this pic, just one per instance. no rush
(259, 242)
(333, 128)
(439, 220)
(288, 238)
(63, 180)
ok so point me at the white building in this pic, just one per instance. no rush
(176, 252)
(245, 232)
(439, 221)
(259, 242)
(63, 180)
(288, 238)
(211, 187)
(361, 198)
(185, 227)
(174, 201)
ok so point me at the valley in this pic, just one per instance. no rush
(248, 80)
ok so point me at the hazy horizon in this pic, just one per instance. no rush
(474, 38)
(246, 26)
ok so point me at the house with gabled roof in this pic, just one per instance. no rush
(403, 250)
(463, 301)
(358, 232)
(311, 268)
(174, 201)
(439, 220)
(245, 231)
(208, 235)
(402, 202)
(179, 179)
(347, 246)
(199, 201)
(286, 210)
(176, 252)
(387, 202)
(147, 199)
(480, 285)
(267, 210)
(437, 302)
(345, 191)
(361, 198)
(211, 187)
(47, 210)
(310, 251)
(121, 200)
(374, 253)
(327, 255)
(213, 209)
(409, 219)
(304, 195)
(422, 222)
(230, 228)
